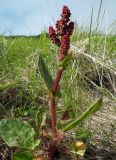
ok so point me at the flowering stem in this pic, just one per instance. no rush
(56, 81)
(53, 105)
(60, 37)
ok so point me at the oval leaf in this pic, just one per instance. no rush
(95, 107)
(23, 155)
(17, 133)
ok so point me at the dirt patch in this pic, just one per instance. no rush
(103, 123)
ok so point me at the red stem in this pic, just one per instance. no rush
(53, 114)
(56, 81)
(53, 106)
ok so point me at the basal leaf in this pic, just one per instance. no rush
(17, 133)
(95, 107)
(23, 155)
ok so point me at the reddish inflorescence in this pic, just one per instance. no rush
(61, 36)
(53, 36)
(64, 46)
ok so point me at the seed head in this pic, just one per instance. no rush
(70, 28)
(65, 45)
(61, 36)
(53, 36)
(61, 27)
(66, 14)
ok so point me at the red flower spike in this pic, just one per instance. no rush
(64, 29)
(61, 27)
(51, 31)
(53, 36)
(70, 28)
(66, 14)
(65, 45)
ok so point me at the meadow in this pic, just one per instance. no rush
(90, 74)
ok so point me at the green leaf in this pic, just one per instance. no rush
(17, 133)
(23, 155)
(95, 107)
(63, 123)
(65, 62)
(7, 85)
(46, 75)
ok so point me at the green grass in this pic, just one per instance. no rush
(19, 57)
(90, 74)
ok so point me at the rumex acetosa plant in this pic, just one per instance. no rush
(20, 134)
(60, 37)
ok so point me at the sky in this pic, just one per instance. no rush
(31, 17)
